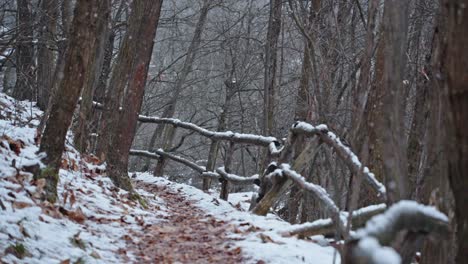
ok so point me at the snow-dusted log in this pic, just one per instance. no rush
(404, 215)
(371, 244)
(316, 190)
(236, 179)
(342, 150)
(227, 135)
(220, 172)
(326, 226)
(160, 153)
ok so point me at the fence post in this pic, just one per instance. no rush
(227, 164)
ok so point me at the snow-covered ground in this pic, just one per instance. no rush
(86, 224)
(92, 218)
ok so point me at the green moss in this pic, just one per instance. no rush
(52, 178)
(18, 250)
(77, 242)
(79, 261)
(136, 197)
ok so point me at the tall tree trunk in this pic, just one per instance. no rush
(66, 15)
(45, 55)
(83, 129)
(455, 65)
(391, 125)
(364, 93)
(305, 110)
(24, 53)
(269, 83)
(131, 69)
(78, 56)
(168, 130)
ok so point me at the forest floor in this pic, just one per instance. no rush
(95, 222)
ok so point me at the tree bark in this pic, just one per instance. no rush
(82, 130)
(78, 56)
(45, 55)
(24, 53)
(391, 125)
(455, 81)
(269, 83)
(129, 75)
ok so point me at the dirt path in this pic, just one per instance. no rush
(187, 236)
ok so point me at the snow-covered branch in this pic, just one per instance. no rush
(326, 226)
(319, 192)
(227, 135)
(404, 215)
(220, 172)
(371, 244)
(160, 153)
(236, 179)
(342, 150)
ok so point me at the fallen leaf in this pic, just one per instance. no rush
(265, 238)
(95, 255)
(21, 205)
(72, 198)
(76, 215)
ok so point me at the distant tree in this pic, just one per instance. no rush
(45, 55)
(24, 52)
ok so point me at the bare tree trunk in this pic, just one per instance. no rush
(269, 83)
(131, 69)
(391, 125)
(78, 56)
(224, 194)
(24, 53)
(455, 65)
(82, 130)
(66, 15)
(45, 56)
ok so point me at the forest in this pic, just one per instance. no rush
(234, 131)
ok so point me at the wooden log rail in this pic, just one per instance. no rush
(328, 228)
(219, 174)
(342, 150)
(270, 190)
(272, 143)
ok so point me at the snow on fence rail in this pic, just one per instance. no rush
(366, 243)
(342, 150)
(327, 227)
(227, 135)
(219, 174)
(372, 244)
(273, 145)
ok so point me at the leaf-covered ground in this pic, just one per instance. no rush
(186, 234)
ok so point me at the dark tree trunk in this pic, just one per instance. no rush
(391, 124)
(455, 65)
(78, 56)
(24, 53)
(132, 69)
(82, 130)
(269, 83)
(45, 55)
